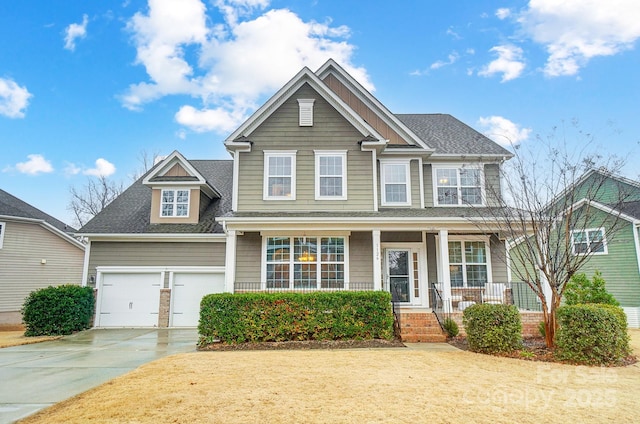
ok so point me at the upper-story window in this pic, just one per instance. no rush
(590, 241)
(279, 175)
(331, 175)
(175, 203)
(458, 186)
(396, 187)
(2, 226)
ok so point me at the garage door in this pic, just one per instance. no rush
(188, 291)
(129, 300)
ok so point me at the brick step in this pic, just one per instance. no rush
(421, 328)
(424, 338)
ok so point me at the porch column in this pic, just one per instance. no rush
(445, 276)
(230, 262)
(377, 260)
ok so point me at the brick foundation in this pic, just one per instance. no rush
(165, 305)
(416, 327)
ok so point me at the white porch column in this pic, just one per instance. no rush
(230, 262)
(445, 276)
(377, 260)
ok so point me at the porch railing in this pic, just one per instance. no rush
(515, 293)
(250, 287)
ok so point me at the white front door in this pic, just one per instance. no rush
(188, 291)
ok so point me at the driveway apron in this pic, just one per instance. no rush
(38, 375)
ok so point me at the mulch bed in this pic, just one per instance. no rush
(304, 345)
(534, 349)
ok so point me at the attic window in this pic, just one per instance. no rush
(306, 112)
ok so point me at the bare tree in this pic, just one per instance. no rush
(147, 161)
(550, 200)
(91, 198)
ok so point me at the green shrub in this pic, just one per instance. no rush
(581, 290)
(263, 317)
(58, 310)
(542, 329)
(450, 327)
(592, 334)
(492, 328)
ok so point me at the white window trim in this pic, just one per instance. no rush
(305, 112)
(175, 204)
(3, 229)
(279, 153)
(586, 231)
(463, 238)
(331, 153)
(457, 167)
(407, 165)
(263, 268)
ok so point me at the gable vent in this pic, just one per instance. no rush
(306, 112)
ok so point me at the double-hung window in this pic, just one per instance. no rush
(175, 203)
(305, 262)
(590, 241)
(396, 187)
(458, 186)
(331, 175)
(279, 175)
(468, 264)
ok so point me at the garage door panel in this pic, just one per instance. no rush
(188, 291)
(130, 300)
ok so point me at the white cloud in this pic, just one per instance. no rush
(75, 31)
(14, 99)
(503, 131)
(103, 168)
(36, 164)
(574, 31)
(503, 13)
(509, 63)
(236, 61)
(451, 59)
(71, 169)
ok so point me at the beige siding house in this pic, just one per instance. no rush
(326, 189)
(36, 251)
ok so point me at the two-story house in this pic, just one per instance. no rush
(326, 190)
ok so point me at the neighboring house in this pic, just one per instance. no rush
(615, 251)
(36, 251)
(326, 189)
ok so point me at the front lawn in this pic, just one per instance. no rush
(359, 385)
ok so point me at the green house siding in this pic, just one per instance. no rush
(619, 267)
(330, 131)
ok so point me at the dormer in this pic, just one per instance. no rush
(179, 192)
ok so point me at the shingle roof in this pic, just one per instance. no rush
(448, 135)
(12, 206)
(630, 208)
(130, 212)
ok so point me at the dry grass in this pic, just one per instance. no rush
(17, 338)
(356, 386)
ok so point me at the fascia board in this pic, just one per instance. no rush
(604, 208)
(331, 67)
(304, 76)
(47, 227)
(154, 237)
(466, 157)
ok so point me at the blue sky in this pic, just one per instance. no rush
(85, 87)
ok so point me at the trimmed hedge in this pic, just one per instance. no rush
(266, 317)
(592, 334)
(492, 328)
(54, 311)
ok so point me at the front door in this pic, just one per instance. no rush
(398, 265)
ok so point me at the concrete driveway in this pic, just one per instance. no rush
(38, 375)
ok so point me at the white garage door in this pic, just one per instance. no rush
(188, 291)
(129, 300)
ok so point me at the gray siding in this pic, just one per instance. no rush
(401, 237)
(428, 185)
(248, 258)
(330, 131)
(21, 270)
(361, 257)
(498, 260)
(155, 254)
(492, 183)
(432, 265)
